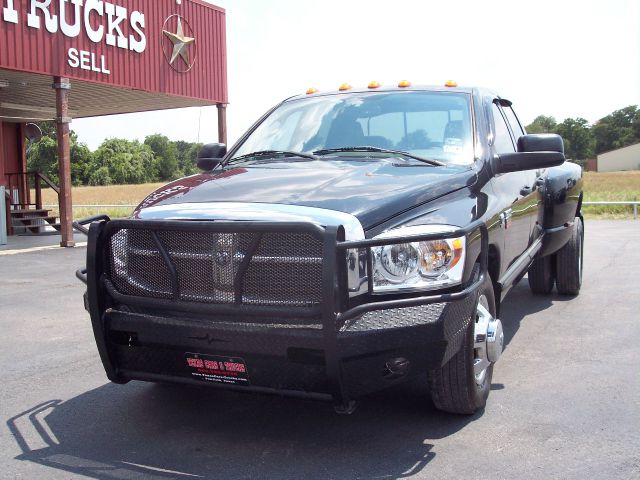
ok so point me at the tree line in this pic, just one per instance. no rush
(583, 141)
(116, 161)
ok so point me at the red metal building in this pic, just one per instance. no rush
(64, 59)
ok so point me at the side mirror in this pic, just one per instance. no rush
(534, 152)
(541, 142)
(211, 155)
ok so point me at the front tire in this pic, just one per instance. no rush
(569, 261)
(457, 386)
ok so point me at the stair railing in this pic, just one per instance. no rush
(19, 189)
(7, 205)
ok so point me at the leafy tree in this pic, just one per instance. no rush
(43, 155)
(122, 161)
(542, 124)
(99, 176)
(166, 154)
(187, 153)
(618, 129)
(578, 139)
(81, 161)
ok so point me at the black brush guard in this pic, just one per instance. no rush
(334, 310)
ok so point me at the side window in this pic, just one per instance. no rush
(516, 128)
(502, 142)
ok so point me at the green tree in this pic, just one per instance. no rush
(166, 154)
(578, 139)
(187, 154)
(122, 161)
(99, 176)
(618, 129)
(542, 124)
(43, 155)
(81, 161)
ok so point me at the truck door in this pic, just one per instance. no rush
(515, 217)
(532, 199)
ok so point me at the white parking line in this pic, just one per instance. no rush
(37, 249)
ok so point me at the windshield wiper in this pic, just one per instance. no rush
(430, 161)
(273, 153)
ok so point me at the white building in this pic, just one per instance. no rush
(626, 158)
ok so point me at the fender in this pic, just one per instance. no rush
(562, 198)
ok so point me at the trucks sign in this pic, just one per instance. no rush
(164, 46)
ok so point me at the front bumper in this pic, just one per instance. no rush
(346, 350)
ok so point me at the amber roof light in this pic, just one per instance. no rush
(311, 90)
(344, 86)
(404, 83)
(450, 83)
(373, 84)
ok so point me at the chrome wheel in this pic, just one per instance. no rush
(462, 385)
(488, 340)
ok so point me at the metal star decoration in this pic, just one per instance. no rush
(180, 44)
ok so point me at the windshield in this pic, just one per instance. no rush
(434, 125)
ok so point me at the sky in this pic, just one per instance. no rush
(564, 58)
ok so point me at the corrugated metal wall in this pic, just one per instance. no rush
(34, 50)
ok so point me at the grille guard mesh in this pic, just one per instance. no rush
(203, 265)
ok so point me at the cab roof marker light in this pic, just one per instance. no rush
(450, 83)
(373, 84)
(312, 90)
(404, 83)
(344, 86)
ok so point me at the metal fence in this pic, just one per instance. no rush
(99, 207)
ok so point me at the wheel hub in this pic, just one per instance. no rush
(488, 342)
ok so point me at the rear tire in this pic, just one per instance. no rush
(454, 387)
(541, 275)
(569, 262)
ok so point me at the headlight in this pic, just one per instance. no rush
(423, 265)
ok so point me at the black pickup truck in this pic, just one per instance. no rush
(349, 241)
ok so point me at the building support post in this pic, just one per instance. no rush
(62, 87)
(222, 123)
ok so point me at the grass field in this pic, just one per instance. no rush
(614, 186)
(112, 195)
(611, 187)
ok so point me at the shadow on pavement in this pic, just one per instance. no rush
(521, 303)
(144, 431)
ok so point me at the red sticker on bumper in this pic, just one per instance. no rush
(211, 368)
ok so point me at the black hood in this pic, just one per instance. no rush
(372, 190)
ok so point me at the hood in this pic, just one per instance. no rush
(371, 190)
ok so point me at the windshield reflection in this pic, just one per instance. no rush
(434, 125)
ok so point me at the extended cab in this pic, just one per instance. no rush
(349, 241)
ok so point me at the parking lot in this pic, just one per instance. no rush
(565, 400)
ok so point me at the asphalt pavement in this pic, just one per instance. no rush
(565, 400)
